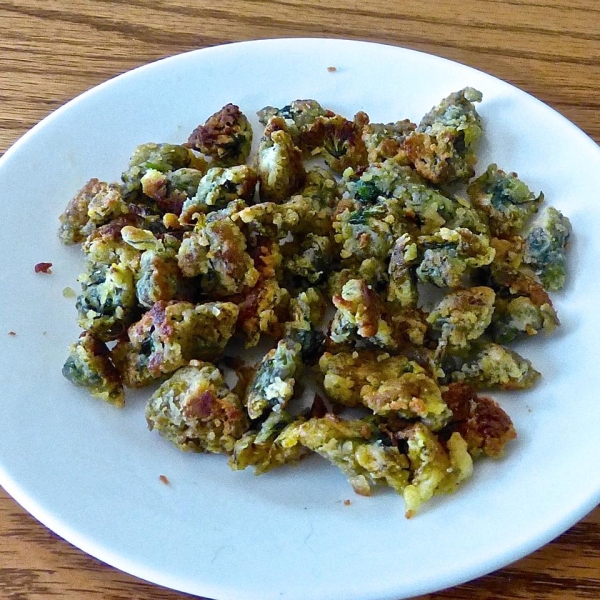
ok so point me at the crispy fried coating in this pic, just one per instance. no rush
(545, 247)
(385, 141)
(171, 334)
(95, 204)
(435, 469)
(89, 366)
(402, 287)
(310, 260)
(273, 383)
(157, 157)
(442, 147)
(338, 140)
(361, 313)
(387, 385)
(462, 316)
(350, 445)
(480, 420)
(263, 309)
(306, 313)
(505, 199)
(173, 189)
(494, 367)
(107, 303)
(450, 254)
(523, 307)
(308, 211)
(226, 137)
(105, 245)
(217, 188)
(195, 410)
(279, 165)
(272, 445)
(216, 253)
(298, 115)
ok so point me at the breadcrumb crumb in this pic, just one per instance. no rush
(43, 267)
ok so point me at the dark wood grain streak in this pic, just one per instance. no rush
(52, 51)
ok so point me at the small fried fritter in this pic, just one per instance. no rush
(280, 168)
(388, 385)
(545, 248)
(171, 334)
(89, 366)
(217, 188)
(505, 199)
(462, 316)
(442, 147)
(272, 386)
(226, 137)
(450, 254)
(195, 410)
(496, 368)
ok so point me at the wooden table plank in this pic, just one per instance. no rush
(52, 51)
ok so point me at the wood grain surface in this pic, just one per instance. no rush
(53, 50)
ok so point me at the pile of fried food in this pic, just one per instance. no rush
(425, 272)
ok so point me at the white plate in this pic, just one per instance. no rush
(91, 472)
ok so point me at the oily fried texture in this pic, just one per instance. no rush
(171, 334)
(387, 385)
(480, 420)
(89, 365)
(442, 147)
(195, 410)
(226, 137)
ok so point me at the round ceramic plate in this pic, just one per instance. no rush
(91, 472)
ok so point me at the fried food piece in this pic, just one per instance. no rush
(172, 189)
(158, 277)
(494, 367)
(434, 468)
(462, 316)
(171, 334)
(402, 288)
(523, 307)
(216, 252)
(196, 411)
(365, 233)
(545, 247)
(95, 204)
(354, 448)
(311, 260)
(157, 157)
(388, 385)
(309, 211)
(89, 366)
(442, 147)
(338, 140)
(505, 199)
(272, 386)
(107, 303)
(105, 245)
(217, 188)
(480, 420)
(272, 445)
(226, 137)
(450, 254)
(361, 314)
(298, 115)
(280, 168)
(306, 313)
(385, 141)
(264, 309)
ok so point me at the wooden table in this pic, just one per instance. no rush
(52, 51)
